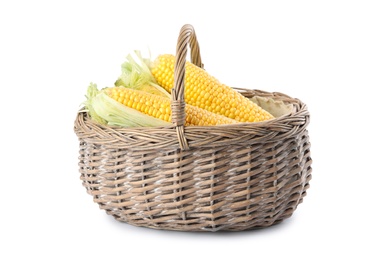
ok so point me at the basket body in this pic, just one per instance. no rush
(233, 177)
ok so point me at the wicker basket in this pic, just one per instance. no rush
(229, 177)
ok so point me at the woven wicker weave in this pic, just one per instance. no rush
(230, 177)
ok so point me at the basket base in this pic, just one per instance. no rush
(224, 223)
(205, 229)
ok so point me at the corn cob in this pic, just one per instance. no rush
(159, 107)
(205, 91)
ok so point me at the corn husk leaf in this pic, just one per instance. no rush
(92, 91)
(136, 75)
(276, 108)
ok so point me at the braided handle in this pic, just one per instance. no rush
(186, 37)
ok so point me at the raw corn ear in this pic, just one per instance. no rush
(106, 111)
(160, 107)
(204, 91)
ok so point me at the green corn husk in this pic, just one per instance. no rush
(136, 75)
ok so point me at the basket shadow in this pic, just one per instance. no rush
(222, 233)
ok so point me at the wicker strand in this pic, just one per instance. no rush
(186, 37)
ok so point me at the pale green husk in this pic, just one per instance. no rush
(275, 108)
(92, 92)
(136, 75)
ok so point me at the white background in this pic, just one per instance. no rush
(333, 55)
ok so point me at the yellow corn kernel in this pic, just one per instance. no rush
(160, 107)
(203, 90)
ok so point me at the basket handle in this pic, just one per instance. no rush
(186, 37)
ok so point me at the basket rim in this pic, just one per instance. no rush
(277, 129)
(299, 107)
